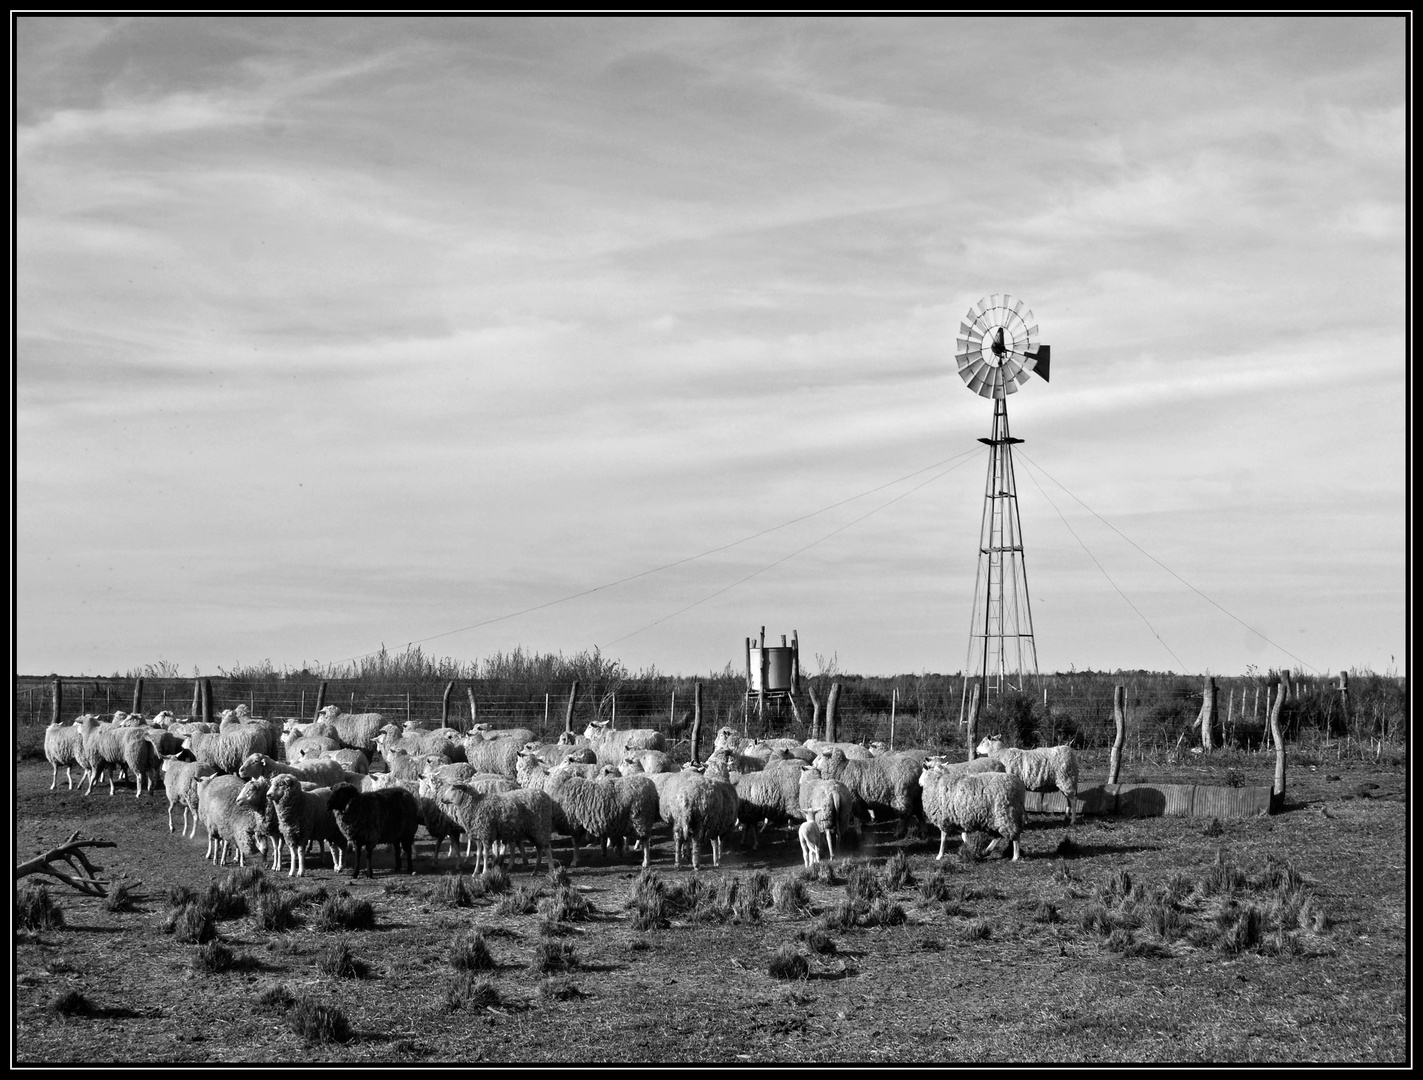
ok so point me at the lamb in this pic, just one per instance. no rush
(810, 833)
(63, 744)
(736, 763)
(253, 796)
(180, 780)
(389, 816)
(612, 745)
(983, 801)
(605, 808)
(405, 766)
(227, 823)
(830, 802)
(493, 755)
(104, 748)
(703, 808)
(652, 761)
(355, 730)
(228, 749)
(303, 816)
(323, 772)
(438, 824)
(553, 753)
(508, 817)
(887, 784)
(1046, 769)
(728, 739)
(533, 773)
(301, 747)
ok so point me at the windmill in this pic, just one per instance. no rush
(997, 347)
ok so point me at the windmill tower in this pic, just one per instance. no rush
(997, 347)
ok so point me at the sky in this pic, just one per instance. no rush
(638, 334)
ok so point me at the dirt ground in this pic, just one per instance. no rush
(987, 976)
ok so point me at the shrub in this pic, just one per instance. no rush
(495, 880)
(317, 1022)
(455, 890)
(71, 1003)
(192, 923)
(566, 904)
(885, 912)
(862, 883)
(788, 963)
(520, 900)
(276, 998)
(817, 940)
(225, 903)
(336, 960)
(119, 900)
(344, 912)
(36, 910)
(789, 896)
(469, 952)
(477, 992)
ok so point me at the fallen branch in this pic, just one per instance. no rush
(82, 877)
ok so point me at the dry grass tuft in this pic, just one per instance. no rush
(788, 963)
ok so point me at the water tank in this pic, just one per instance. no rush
(775, 662)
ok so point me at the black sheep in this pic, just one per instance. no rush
(385, 816)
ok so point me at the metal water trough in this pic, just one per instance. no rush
(1158, 800)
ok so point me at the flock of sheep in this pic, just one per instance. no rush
(352, 782)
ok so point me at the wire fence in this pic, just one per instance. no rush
(909, 710)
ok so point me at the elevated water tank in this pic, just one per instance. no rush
(772, 669)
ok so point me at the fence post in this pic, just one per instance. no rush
(56, 705)
(1344, 697)
(696, 722)
(893, 703)
(1278, 792)
(445, 705)
(197, 709)
(320, 698)
(972, 721)
(1207, 717)
(1119, 714)
(407, 706)
(831, 702)
(672, 712)
(572, 701)
(474, 709)
(815, 703)
(137, 695)
(207, 701)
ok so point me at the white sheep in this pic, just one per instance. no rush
(703, 808)
(63, 745)
(888, 784)
(853, 751)
(303, 816)
(105, 748)
(445, 743)
(1050, 768)
(226, 823)
(407, 766)
(651, 761)
(605, 807)
(355, 730)
(323, 772)
(982, 801)
(253, 796)
(831, 802)
(612, 745)
(180, 780)
(492, 755)
(228, 749)
(509, 817)
(769, 795)
(553, 753)
(521, 735)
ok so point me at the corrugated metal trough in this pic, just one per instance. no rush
(1158, 800)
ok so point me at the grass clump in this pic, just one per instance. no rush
(978, 930)
(344, 912)
(935, 887)
(214, 958)
(276, 913)
(243, 879)
(896, 873)
(519, 900)
(119, 900)
(193, 923)
(817, 940)
(789, 896)
(338, 961)
(649, 902)
(885, 912)
(470, 952)
(495, 880)
(552, 957)
(974, 847)
(455, 890)
(788, 963)
(317, 1022)
(473, 992)
(72, 1003)
(566, 905)
(559, 989)
(863, 884)
(825, 873)
(275, 998)
(1045, 912)
(35, 909)
(842, 916)
(558, 877)
(224, 902)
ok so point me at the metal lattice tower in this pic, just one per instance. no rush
(997, 350)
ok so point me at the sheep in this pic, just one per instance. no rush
(271, 733)
(301, 747)
(353, 761)
(384, 782)
(228, 749)
(880, 749)
(611, 745)
(405, 766)
(420, 745)
(810, 833)
(306, 815)
(552, 753)
(63, 744)
(355, 730)
(322, 772)
(192, 727)
(831, 802)
(728, 739)
(317, 729)
(605, 808)
(253, 797)
(521, 735)
(227, 824)
(1046, 769)
(771, 794)
(702, 808)
(389, 816)
(652, 761)
(887, 784)
(734, 762)
(982, 801)
(509, 817)
(438, 824)
(493, 755)
(164, 741)
(853, 751)
(104, 748)
(180, 785)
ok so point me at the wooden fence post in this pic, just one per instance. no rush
(474, 710)
(207, 701)
(893, 704)
(1207, 717)
(972, 721)
(815, 703)
(137, 695)
(320, 698)
(197, 709)
(56, 703)
(696, 722)
(1344, 697)
(445, 704)
(1119, 714)
(832, 701)
(572, 701)
(1278, 792)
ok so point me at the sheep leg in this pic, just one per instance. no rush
(170, 819)
(55, 781)
(943, 843)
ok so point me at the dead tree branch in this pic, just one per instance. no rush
(82, 877)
